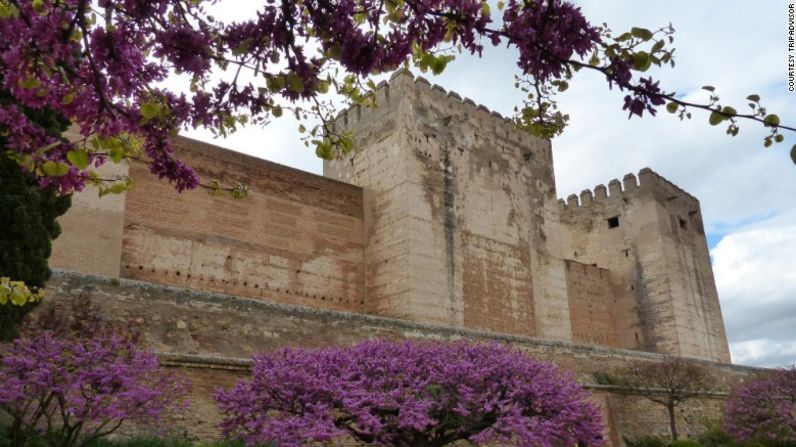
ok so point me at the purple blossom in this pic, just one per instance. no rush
(764, 409)
(646, 96)
(68, 387)
(404, 393)
(99, 74)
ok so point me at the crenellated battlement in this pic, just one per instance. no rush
(631, 185)
(388, 93)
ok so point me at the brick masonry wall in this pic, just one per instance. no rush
(297, 238)
(208, 336)
(591, 304)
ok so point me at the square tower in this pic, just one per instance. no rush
(648, 234)
(461, 219)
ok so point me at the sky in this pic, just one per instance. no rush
(747, 192)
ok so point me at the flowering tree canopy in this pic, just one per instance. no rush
(764, 409)
(408, 394)
(72, 391)
(100, 64)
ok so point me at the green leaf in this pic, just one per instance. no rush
(78, 158)
(624, 37)
(642, 60)
(754, 98)
(29, 83)
(779, 138)
(301, 128)
(716, 118)
(658, 46)
(729, 110)
(276, 111)
(275, 83)
(8, 11)
(54, 169)
(150, 110)
(294, 82)
(118, 188)
(116, 154)
(243, 47)
(323, 150)
(772, 120)
(438, 64)
(38, 6)
(793, 154)
(641, 33)
(672, 107)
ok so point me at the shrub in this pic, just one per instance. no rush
(715, 436)
(403, 394)
(685, 443)
(66, 392)
(646, 441)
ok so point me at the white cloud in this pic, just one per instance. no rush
(764, 352)
(755, 276)
(735, 45)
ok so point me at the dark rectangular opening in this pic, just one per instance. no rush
(683, 223)
(613, 222)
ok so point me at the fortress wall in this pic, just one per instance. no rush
(209, 336)
(296, 238)
(666, 298)
(472, 198)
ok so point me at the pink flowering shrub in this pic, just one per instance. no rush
(408, 394)
(764, 409)
(70, 391)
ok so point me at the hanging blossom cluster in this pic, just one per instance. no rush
(764, 409)
(101, 65)
(80, 389)
(405, 394)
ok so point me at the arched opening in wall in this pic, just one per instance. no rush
(683, 223)
(613, 222)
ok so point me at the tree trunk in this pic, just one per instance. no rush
(672, 425)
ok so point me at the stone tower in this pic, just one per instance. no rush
(461, 220)
(649, 235)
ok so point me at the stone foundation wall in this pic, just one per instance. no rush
(209, 336)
